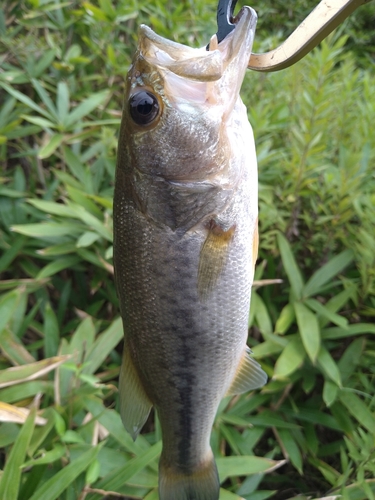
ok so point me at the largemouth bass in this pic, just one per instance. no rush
(185, 220)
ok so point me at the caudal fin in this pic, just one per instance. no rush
(201, 483)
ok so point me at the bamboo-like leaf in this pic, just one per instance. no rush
(11, 479)
(85, 107)
(285, 319)
(8, 304)
(326, 313)
(330, 392)
(290, 359)
(26, 100)
(63, 101)
(261, 314)
(48, 457)
(327, 272)
(309, 330)
(359, 410)
(114, 480)
(51, 207)
(47, 230)
(291, 448)
(328, 365)
(45, 98)
(17, 414)
(290, 266)
(349, 331)
(58, 265)
(103, 345)
(13, 348)
(19, 374)
(245, 465)
(53, 487)
(50, 146)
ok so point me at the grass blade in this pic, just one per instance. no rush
(52, 488)
(290, 266)
(309, 330)
(11, 478)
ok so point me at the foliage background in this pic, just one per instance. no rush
(310, 432)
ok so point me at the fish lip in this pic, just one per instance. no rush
(167, 53)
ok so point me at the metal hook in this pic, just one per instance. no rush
(318, 24)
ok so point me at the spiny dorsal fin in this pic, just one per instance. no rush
(212, 257)
(249, 376)
(135, 405)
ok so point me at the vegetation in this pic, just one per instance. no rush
(310, 432)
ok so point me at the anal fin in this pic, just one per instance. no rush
(135, 406)
(249, 376)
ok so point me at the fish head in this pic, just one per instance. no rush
(179, 100)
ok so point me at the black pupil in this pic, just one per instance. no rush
(144, 107)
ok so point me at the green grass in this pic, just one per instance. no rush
(309, 432)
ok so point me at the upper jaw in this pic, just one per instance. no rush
(200, 64)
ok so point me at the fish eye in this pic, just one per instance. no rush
(144, 107)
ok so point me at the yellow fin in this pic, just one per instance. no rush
(200, 483)
(212, 257)
(249, 376)
(135, 405)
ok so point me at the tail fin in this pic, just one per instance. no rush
(201, 483)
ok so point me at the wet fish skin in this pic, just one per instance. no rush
(185, 228)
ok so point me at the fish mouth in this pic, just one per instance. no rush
(186, 71)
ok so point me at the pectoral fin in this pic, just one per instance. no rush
(249, 376)
(212, 257)
(135, 405)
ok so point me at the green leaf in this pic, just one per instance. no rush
(51, 332)
(291, 448)
(84, 108)
(328, 365)
(8, 304)
(59, 482)
(26, 100)
(326, 313)
(290, 359)
(115, 479)
(47, 229)
(341, 333)
(290, 266)
(87, 239)
(50, 207)
(51, 145)
(11, 478)
(48, 457)
(285, 319)
(245, 465)
(358, 410)
(45, 98)
(58, 265)
(327, 272)
(330, 392)
(103, 345)
(63, 101)
(261, 314)
(309, 330)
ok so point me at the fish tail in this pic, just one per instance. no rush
(200, 483)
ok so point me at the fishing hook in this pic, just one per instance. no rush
(326, 16)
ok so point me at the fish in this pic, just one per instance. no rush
(185, 246)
